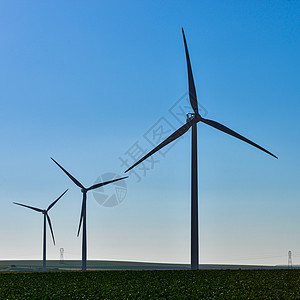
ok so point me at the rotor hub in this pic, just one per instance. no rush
(190, 117)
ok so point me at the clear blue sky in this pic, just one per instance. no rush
(84, 81)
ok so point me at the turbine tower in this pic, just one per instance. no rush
(192, 120)
(84, 191)
(46, 218)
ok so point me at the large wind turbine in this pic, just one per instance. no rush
(192, 120)
(46, 216)
(84, 191)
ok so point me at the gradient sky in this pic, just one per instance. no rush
(84, 81)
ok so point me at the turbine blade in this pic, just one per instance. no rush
(233, 133)
(104, 183)
(49, 222)
(69, 175)
(31, 207)
(81, 217)
(53, 203)
(192, 89)
(179, 132)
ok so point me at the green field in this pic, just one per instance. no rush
(68, 265)
(171, 284)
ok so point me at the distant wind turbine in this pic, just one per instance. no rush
(83, 209)
(192, 120)
(46, 216)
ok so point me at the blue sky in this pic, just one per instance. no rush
(83, 82)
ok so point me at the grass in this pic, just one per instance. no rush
(36, 265)
(171, 284)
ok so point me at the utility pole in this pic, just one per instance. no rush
(61, 257)
(290, 263)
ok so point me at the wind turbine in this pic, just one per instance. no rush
(46, 216)
(84, 191)
(192, 120)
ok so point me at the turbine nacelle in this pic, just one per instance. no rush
(193, 117)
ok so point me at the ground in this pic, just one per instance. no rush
(171, 284)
